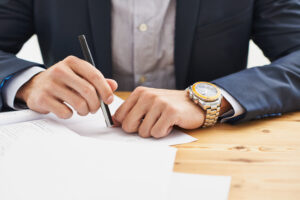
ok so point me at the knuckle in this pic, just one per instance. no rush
(171, 110)
(126, 126)
(157, 134)
(140, 89)
(81, 106)
(65, 114)
(88, 90)
(143, 132)
(159, 101)
(106, 93)
(95, 106)
(94, 78)
(47, 87)
(148, 95)
(57, 71)
(118, 116)
(70, 60)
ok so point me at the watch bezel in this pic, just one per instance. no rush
(206, 98)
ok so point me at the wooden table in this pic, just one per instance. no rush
(262, 157)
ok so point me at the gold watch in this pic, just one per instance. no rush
(208, 96)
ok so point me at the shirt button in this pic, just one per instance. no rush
(143, 27)
(142, 79)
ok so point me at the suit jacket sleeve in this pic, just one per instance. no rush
(275, 88)
(16, 27)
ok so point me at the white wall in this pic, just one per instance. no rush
(31, 51)
(256, 57)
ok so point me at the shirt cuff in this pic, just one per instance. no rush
(12, 86)
(236, 110)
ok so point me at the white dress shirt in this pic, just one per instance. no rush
(142, 50)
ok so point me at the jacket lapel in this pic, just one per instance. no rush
(186, 20)
(100, 41)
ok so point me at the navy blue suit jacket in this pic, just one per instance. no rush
(211, 44)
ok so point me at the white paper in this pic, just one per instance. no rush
(45, 155)
(18, 116)
(12, 117)
(71, 168)
(10, 134)
(54, 167)
(94, 130)
(197, 187)
(93, 125)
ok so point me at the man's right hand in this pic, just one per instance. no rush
(72, 81)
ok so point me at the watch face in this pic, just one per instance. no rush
(207, 91)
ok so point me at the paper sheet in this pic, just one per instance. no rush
(94, 126)
(18, 116)
(197, 187)
(93, 130)
(53, 167)
(10, 134)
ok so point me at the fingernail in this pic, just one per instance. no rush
(110, 99)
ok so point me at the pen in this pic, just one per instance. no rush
(88, 57)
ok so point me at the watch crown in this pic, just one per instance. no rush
(191, 95)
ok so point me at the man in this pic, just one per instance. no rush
(168, 44)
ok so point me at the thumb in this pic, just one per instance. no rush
(112, 83)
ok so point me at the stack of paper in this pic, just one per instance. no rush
(70, 168)
(43, 159)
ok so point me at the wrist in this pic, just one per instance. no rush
(21, 94)
(225, 106)
(24, 90)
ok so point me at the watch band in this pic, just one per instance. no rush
(212, 109)
(212, 115)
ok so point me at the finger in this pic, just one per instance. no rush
(164, 125)
(71, 97)
(116, 123)
(92, 75)
(125, 108)
(113, 84)
(82, 87)
(58, 108)
(150, 119)
(134, 118)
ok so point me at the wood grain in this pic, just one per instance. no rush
(262, 157)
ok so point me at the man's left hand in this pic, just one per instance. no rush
(154, 112)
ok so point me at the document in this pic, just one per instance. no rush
(18, 116)
(195, 187)
(94, 130)
(55, 167)
(93, 125)
(74, 168)
(10, 134)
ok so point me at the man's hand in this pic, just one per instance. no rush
(72, 81)
(154, 112)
